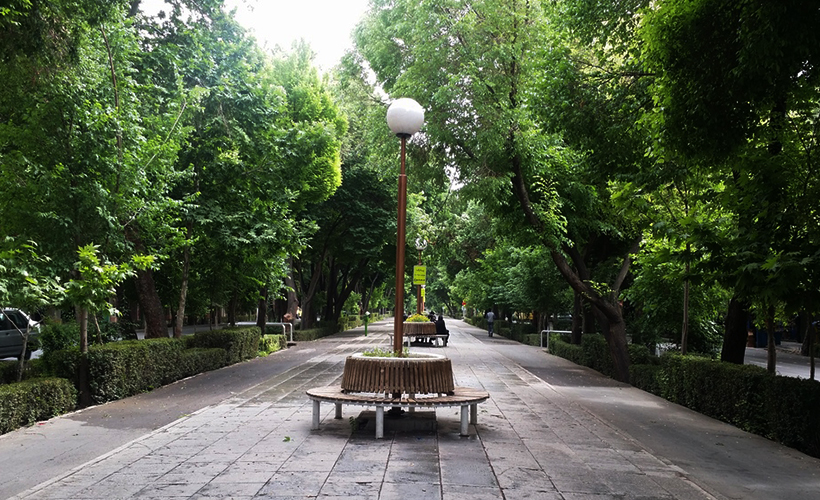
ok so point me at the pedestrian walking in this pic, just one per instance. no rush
(490, 320)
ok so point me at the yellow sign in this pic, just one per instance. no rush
(419, 275)
(423, 297)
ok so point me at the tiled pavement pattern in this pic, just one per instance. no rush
(531, 441)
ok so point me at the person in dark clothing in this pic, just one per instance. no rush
(490, 320)
(442, 330)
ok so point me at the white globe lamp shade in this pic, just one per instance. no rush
(405, 117)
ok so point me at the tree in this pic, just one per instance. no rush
(475, 67)
(26, 283)
(736, 84)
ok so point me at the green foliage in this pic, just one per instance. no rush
(378, 352)
(122, 369)
(561, 347)
(240, 343)
(8, 370)
(56, 336)
(272, 343)
(656, 296)
(417, 318)
(27, 402)
(348, 322)
(313, 333)
(201, 359)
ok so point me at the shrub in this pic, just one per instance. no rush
(241, 343)
(272, 343)
(560, 346)
(313, 333)
(58, 336)
(8, 370)
(351, 321)
(201, 359)
(34, 400)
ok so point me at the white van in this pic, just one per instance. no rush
(11, 338)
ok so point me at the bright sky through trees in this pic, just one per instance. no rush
(325, 24)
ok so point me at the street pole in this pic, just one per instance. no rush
(398, 321)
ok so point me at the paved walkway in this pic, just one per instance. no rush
(551, 430)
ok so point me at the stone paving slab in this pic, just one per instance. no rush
(532, 440)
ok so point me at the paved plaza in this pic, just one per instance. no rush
(550, 430)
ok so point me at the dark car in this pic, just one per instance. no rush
(13, 324)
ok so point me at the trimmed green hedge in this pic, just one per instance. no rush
(241, 343)
(313, 333)
(33, 400)
(121, 369)
(784, 409)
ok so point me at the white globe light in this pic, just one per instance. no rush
(405, 117)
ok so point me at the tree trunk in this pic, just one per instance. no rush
(82, 375)
(736, 332)
(155, 326)
(577, 319)
(290, 284)
(805, 324)
(151, 305)
(232, 305)
(183, 289)
(309, 293)
(331, 291)
(771, 359)
(615, 334)
(684, 335)
(262, 309)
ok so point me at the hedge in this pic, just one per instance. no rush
(241, 342)
(33, 400)
(121, 369)
(784, 409)
(313, 333)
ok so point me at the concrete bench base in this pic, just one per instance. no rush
(464, 397)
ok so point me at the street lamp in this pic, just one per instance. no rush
(404, 117)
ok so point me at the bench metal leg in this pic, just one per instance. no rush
(464, 426)
(474, 413)
(380, 422)
(338, 411)
(315, 414)
(412, 409)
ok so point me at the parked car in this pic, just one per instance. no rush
(13, 324)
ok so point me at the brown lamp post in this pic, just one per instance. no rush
(404, 117)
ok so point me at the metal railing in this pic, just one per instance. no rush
(548, 332)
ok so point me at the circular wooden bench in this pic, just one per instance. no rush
(420, 380)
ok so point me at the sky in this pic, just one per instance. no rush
(325, 24)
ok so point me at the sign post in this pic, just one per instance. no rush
(420, 279)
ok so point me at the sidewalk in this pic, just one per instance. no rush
(551, 430)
